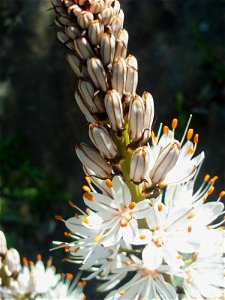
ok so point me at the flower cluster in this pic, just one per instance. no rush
(144, 214)
(34, 280)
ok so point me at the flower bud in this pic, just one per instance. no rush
(95, 31)
(114, 110)
(84, 19)
(83, 48)
(107, 48)
(64, 20)
(106, 15)
(62, 37)
(139, 164)
(132, 75)
(72, 32)
(116, 7)
(102, 140)
(121, 15)
(12, 260)
(121, 44)
(84, 108)
(75, 64)
(116, 24)
(96, 6)
(165, 162)
(3, 244)
(74, 10)
(93, 160)
(119, 75)
(91, 98)
(80, 2)
(136, 118)
(97, 73)
(148, 117)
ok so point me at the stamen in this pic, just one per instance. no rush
(69, 276)
(88, 196)
(214, 179)
(190, 133)
(39, 257)
(88, 179)
(142, 236)
(165, 130)
(154, 137)
(160, 207)
(49, 262)
(179, 257)
(25, 261)
(82, 283)
(74, 206)
(222, 194)
(211, 190)
(196, 138)
(67, 233)
(190, 150)
(31, 263)
(108, 183)
(191, 216)
(186, 129)
(86, 188)
(132, 205)
(174, 123)
(85, 220)
(189, 229)
(97, 238)
(206, 178)
(58, 218)
(122, 292)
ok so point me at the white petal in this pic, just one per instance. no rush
(121, 192)
(152, 256)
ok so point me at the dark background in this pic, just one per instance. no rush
(179, 45)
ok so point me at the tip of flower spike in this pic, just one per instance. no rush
(165, 129)
(39, 257)
(85, 220)
(88, 196)
(174, 123)
(196, 137)
(190, 133)
(206, 178)
(108, 183)
(58, 218)
(82, 283)
(86, 188)
(25, 261)
(132, 205)
(88, 179)
(222, 194)
(211, 190)
(69, 276)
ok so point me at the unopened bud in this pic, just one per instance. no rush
(114, 110)
(72, 32)
(119, 71)
(132, 75)
(106, 15)
(96, 6)
(148, 117)
(84, 108)
(97, 73)
(136, 118)
(139, 164)
(90, 97)
(121, 44)
(83, 48)
(64, 20)
(102, 140)
(12, 260)
(75, 64)
(165, 162)
(116, 7)
(62, 37)
(116, 24)
(80, 2)
(93, 160)
(84, 19)
(74, 10)
(107, 48)
(95, 31)
(3, 244)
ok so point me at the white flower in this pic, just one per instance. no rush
(115, 217)
(170, 162)
(146, 284)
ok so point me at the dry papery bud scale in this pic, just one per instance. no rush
(132, 166)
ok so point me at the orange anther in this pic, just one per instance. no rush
(190, 216)
(85, 220)
(76, 250)
(76, 215)
(204, 198)
(214, 179)
(222, 194)
(174, 123)
(31, 263)
(86, 188)
(108, 183)
(88, 196)
(206, 178)
(142, 236)
(67, 233)
(189, 228)
(81, 283)
(165, 129)
(69, 276)
(132, 205)
(191, 150)
(179, 256)
(190, 133)
(211, 190)
(58, 218)
(122, 292)
(88, 179)
(49, 263)
(39, 257)
(160, 207)
(25, 261)
(196, 138)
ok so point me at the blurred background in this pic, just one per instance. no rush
(179, 45)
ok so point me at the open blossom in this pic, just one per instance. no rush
(116, 216)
